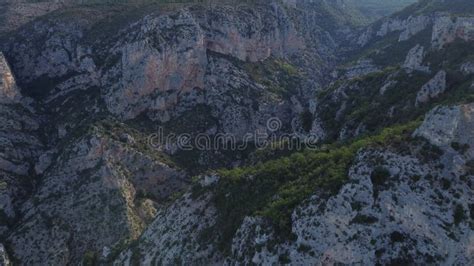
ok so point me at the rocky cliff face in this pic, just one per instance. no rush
(443, 28)
(60, 192)
(3, 256)
(167, 63)
(83, 88)
(20, 145)
(415, 212)
(90, 182)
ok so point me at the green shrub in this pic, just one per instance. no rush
(445, 183)
(459, 214)
(307, 120)
(397, 237)
(304, 248)
(90, 258)
(284, 259)
(461, 148)
(379, 176)
(364, 219)
(470, 167)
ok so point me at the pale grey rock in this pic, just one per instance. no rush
(147, 71)
(175, 235)
(367, 223)
(408, 27)
(414, 59)
(390, 26)
(4, 260)
(451, 128)
(317, 130)
(365, 37)
(9, 91)
(44, 161)
(446, 124)
(409, 215)
(254, 231)
(433, 88)
(167, 63)
(447, 29)
(105, 253)
(209, 180)
(414, 25)
(467, 68)
(148, 78)
(51, 57)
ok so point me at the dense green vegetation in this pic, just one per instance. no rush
(273, 189)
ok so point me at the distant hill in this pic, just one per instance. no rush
(375, 9)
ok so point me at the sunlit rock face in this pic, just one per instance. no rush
(9, 91)
(165, 57)
(410, 215)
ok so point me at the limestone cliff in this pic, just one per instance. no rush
(83, 88)
(416, 212)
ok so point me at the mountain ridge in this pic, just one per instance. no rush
(390, 103)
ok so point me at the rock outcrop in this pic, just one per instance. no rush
(169, 63)
(414, 59)
(368, 222)
(447, 29)
(468, 68)
(9, 91)
(97, 192)
(445, 125)
(4, 260)
(154, 78)
(415, 212)
(432, 89)
(81, 183)
(444, 28)
(408, 27)
(180, 227)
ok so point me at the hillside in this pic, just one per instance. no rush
(125, 133)
(376, 9)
